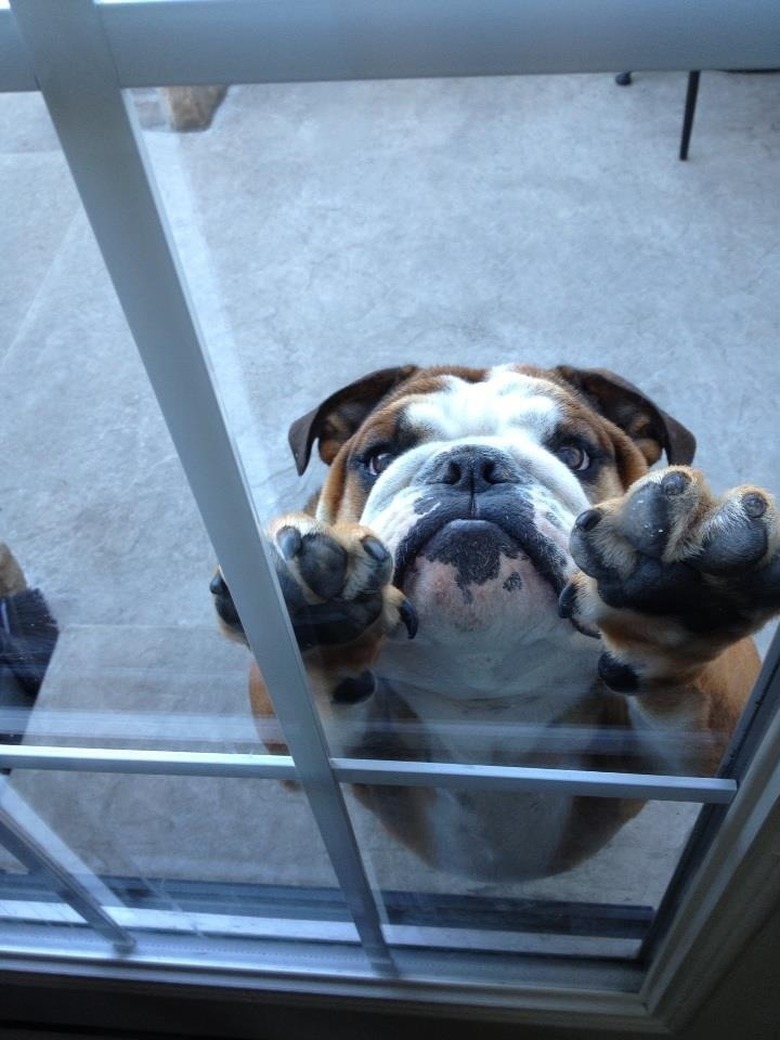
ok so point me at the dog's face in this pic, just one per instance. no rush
(473, 478)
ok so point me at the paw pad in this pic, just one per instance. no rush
(675, 483)
(755, 505)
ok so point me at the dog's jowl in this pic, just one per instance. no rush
(492, 566)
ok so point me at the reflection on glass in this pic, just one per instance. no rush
(603, 906)
(315, 220)
(167, 845)
(327, 231)
(101, 546)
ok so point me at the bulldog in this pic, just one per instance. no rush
(492, 573)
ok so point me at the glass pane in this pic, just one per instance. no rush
(100, 536)
(157, 839)
(329, 230)
(108, 637)
(601, 906)
(148, 857)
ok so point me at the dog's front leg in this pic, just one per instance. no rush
(335, 580)
(674, 578)
(336, 583)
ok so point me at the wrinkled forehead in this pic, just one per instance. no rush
(504, 400)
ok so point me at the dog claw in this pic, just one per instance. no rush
(375, 549)
(567, 601)
(567, 609)
(587, 521)
(409, 617)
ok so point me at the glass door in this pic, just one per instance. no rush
(334, 820)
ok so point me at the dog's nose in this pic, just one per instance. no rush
(473, 469)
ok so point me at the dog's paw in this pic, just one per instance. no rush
(674, 572)
(336, 582)
(229, 621)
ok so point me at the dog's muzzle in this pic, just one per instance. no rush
(476, 504)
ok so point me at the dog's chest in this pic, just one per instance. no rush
(483, 833)
(496, 836)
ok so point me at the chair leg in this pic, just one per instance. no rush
(690, 109)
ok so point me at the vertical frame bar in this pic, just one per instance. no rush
(758, 718)
(99, 136)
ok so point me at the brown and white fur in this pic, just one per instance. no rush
(569, 608)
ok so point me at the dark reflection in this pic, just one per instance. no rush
(28, 634)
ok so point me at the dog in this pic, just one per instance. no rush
(492, 573)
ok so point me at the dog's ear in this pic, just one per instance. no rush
(624, 404)
(334, 421)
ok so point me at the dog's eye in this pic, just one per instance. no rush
(574, 456)
(378, 462)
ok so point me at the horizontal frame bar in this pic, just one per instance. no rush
(374, 771)
(220, 41)
(147, 763)
(181, 729)
(292, 903)
(434, 935)
(162, 42)
(522, 778)
(518, 987)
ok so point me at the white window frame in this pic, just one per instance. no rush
(122, 44)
